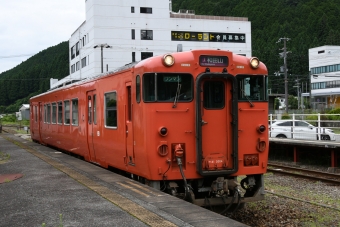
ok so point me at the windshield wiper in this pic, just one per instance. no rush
(177, 94)
(245, 95)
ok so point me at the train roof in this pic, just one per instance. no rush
(85, 80)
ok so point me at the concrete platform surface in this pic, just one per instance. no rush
(56, 189)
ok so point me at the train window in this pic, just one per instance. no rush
(45, 113)
(138, 89)
(89, 110)
(94, 110)
(90, 106)
(36, 113)
(252, 88)
(60, 112)
(111, 109)
(213, 95)
(167, 87)
(75, 112)
(54, 113)
(48, 113)
(67, 112)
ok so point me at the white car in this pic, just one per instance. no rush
(301, 130)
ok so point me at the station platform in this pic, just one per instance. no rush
(40, 186)
(310, 147)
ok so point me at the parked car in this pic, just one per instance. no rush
(301, 130)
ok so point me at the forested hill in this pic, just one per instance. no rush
(32, 77)
(308, 24)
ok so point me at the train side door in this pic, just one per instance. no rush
(129, 126)
(215, 132)
(92, 126)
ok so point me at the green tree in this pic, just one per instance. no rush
(292, 102)
(276, 104)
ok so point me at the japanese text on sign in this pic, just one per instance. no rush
(208, 37)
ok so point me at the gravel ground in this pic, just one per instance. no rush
(285, 210)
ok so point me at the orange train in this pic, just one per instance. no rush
(188, 123)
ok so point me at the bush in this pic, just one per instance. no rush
(335, 117)
(9, 118)
(285, 116)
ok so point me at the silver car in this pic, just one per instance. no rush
(301, 130)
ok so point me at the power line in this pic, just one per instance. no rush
(16, 56)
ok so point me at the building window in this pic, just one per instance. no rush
(60, 112)
(77, 66)
(77, 49)
(133, 56)
(146, 35)
(54, 113)
(67, 112)
(73, 68)
(111, 109)
(146, 10)
(75, 112)
(83, 62)
(145, 55)
(72, 53)
(132, 9)
(132, 33)
(84, 40)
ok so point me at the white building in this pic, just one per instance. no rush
(116, 33)
(24, 112)
(324, 66)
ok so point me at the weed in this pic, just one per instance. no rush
(4, 157)
(60, 222)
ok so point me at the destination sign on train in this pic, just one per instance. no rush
(218, 61)
(208, 37)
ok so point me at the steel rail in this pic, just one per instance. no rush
(303, 173)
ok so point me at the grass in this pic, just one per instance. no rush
(317, 215)
(60, 221)
(4, 157)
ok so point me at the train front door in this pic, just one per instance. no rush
(92, 126)
(214, 123)
(129, 126)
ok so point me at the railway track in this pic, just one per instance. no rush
(304, 173)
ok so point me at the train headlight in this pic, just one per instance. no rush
(168, 60)
(254, 62)
(163, 131)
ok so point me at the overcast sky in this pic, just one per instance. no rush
(30, 26)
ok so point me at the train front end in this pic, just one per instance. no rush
(208, 117)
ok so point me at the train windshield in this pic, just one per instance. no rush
(252, 88)
(167, 87)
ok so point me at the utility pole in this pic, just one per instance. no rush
(284, 55)
(297, 85)
(105, 45)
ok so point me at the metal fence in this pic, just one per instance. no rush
(295, 126)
